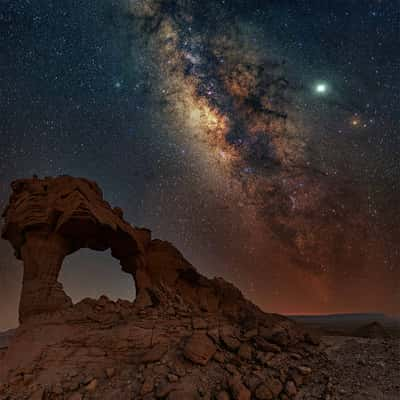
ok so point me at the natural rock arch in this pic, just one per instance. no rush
(51, 218)
(92, 274)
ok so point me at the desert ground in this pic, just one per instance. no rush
(363, 353)
(351, 367)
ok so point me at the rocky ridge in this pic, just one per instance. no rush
(184, 337)
(103, 349)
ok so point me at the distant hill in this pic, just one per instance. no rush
(372, 330)
(361, 317)
(348, 324)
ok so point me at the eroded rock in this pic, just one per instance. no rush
(48, 219)
(185, 336)
(199, 348)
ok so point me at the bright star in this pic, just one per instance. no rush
(321, 88)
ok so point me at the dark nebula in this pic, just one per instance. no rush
(261, 137)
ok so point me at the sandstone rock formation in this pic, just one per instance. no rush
(184, 337)
(48, 219)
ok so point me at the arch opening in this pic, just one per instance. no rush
(87, 273)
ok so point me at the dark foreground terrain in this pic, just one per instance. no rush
(230, 365)
(364, 368)
(363, 353)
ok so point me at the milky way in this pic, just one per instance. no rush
(232, 101)
(260, 137)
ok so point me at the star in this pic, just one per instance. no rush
(356, 122)
(222, 106)
(321, 88)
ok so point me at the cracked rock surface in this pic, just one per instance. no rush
(115, 350)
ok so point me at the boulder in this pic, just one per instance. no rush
(200, 348)
(238, 389)
(155, 354)
(264, 393)
(245, 351)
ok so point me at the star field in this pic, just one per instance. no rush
(260, 137)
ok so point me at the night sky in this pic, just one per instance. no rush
(262, 138)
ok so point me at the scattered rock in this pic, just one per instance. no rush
(245, 351)
(199, 348)
(155, 354)
(39, 395)
(228, 338)
(232, 369)
(219, 357)
(92, 386)
(274, 385)
(290, 389)
(238, 390)
(148, 385)
(165, 389)
(223, 396)
(264, 393)
(214, 334)
(250, 334)
(172, 378)
(304, 370)
(264, 345)
(110, 372)
(75, 396)
(184, 394)
(58, 389)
